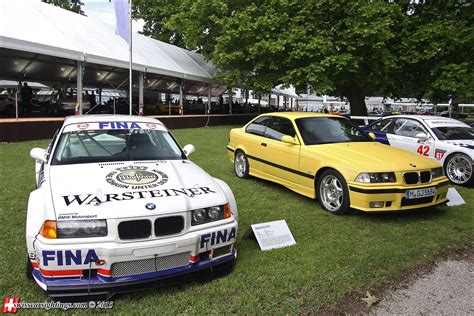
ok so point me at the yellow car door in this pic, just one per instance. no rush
(281, 159)
(251, 142)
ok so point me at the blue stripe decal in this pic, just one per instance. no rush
(381, 138)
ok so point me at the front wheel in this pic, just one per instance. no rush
(458, 168)
(241, 165)
(333, 193)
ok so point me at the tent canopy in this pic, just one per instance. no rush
(42, 29)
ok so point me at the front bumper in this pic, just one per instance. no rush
(394, 196)
(108, 268)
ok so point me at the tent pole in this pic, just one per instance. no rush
(130, 50)
(209, 95)
(181, 103)
(79, 75)
(16, 104)
(140, 94)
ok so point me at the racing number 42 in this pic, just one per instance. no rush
(423, 150)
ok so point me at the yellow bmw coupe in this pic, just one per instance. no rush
(328, 157)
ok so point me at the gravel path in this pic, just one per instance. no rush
(448, 289)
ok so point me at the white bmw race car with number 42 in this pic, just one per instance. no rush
(118, 206)
(443, 139)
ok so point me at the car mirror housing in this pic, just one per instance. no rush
(38, 154)
(289, 140)
(189, 149)
(372, 135)
(422, 136)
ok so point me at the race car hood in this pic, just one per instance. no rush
(131, 189)
(373, 157)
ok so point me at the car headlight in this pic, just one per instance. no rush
(210, 214)
(82, 229)
(437, 172)
(375, 177)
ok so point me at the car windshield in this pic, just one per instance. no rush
(454, 132)
(115, 145)
(324, 130)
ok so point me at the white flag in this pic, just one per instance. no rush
(121, 18)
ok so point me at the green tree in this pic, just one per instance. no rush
(345, 48)
(436, 54)
(71, 5)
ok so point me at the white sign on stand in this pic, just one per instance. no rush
(273, 235)
(454, 198)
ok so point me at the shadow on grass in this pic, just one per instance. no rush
(402, 216)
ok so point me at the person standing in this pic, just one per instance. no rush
(25, 94)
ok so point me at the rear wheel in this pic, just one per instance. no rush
(458, 168)
(241, 165)
(333, 193)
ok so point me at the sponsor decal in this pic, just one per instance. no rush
(136, 177)
(82, 126)
(41, 177)
(439, 153)
(462, 145)
(119, 125)
(151, 125)
(75, 216)
(88, 199)
(69, 257)
(412, 165)
(217, 237)
(423, 150)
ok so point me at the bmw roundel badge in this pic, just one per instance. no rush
(150, 206)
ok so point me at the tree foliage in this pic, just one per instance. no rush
(345, 48)
(71, 5)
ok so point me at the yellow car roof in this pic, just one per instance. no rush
(296, 115)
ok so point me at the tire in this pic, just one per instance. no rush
(333, 193)
(28, 268)
(458, 168)
(241, 165)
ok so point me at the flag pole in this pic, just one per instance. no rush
(130, 51)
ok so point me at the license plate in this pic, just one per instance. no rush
(420, 193)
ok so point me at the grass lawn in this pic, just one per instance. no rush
(333, 256)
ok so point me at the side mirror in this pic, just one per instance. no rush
(422, 136)
(289, 140)
(189, 149)
(372, 135)
(38, 154)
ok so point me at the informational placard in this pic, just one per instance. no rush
(454, 198)
(272, 235)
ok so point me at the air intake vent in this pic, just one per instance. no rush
(425, 176)
(150, 265)
(411, 177)
(137, 229)
(169, 225)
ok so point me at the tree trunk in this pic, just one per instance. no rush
(357, 101)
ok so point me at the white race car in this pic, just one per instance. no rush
(118, 206)
(443, 139)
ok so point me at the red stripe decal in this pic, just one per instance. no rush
(103, 272)
(53, 273)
